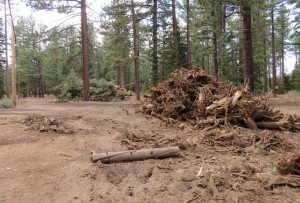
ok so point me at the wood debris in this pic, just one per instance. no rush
(46, 124)
(195, 97)
(289, 163)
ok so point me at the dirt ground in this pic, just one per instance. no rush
(38, 165)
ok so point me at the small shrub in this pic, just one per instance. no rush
(101, 86)
(72, 87)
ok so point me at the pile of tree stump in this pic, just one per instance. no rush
(195, 97)
(289, 163)
(46, 124)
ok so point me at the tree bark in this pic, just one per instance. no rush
(119, 75)
(6, 53)
(241, 57)
(154, 54)
(265, 66)
(13, 67)
(135, 155)
(224, 5)
(125, 75)
(41, 85)
(216, 62)
(274, 81)
(247, 46)
(282, 65)
(175, 35)
(136, 53)
(85, 53)
(188, 40)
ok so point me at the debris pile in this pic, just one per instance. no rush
(102, 90)
(289, 163)
(46, 124)
(195, 97)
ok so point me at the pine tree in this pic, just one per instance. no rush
(67, 6)
(247, 44)
(2, 58)
(282, 22)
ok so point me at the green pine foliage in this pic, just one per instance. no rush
(71, 88)
(54, 55)
(6, 103)
(295, 79)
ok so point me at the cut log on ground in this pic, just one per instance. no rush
(282, 125)
(136, 155)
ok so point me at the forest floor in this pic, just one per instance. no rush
(53, 164)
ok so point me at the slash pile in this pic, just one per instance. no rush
(46, 124)
(195, 97)
(289, 163)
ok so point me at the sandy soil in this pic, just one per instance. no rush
(55, 167)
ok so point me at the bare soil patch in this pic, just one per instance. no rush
(238, 164)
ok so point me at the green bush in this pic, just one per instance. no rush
(6, 103)
(71, 87)
(101, 86)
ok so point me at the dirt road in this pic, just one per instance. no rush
(51, 167)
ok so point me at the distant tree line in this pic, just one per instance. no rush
(238, 41)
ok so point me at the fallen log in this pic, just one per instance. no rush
(135, 155)
(273, 125)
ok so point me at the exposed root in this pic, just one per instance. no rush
(195, 97)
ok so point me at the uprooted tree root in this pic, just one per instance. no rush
(289, 163)
(195, 97)
(46, 124)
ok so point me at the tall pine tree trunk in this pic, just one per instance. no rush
(154, 51)
(6, 53)
(136, 52)
(216, 61)
(282, 65)
(85, 53)
(188, 40)
(119, 75)
(247, 46)
(265, 66)
(125, 75)
(224, 5)
(175, 35)
(274, 81)
(13, 67)
(40, 79)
